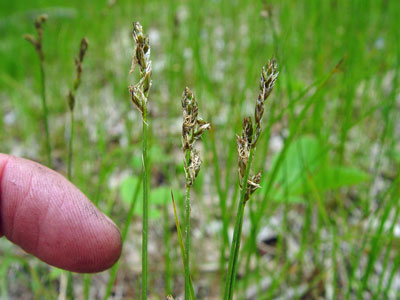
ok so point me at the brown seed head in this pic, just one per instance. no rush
(39, 25)
(268, 78)
(78, 62)
(192, 129)
(247, 141)
(37, 42)
(141, 57)
(78, 66)
(82, 49)
(193, 126)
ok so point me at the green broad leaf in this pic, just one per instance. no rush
(303, 155)
(330, 178)
(336, 177)
(305, 168)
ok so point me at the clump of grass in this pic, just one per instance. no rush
(38, 45)
(139, 96)
(246, 144)
(192, 129)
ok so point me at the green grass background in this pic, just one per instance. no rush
(330, 190)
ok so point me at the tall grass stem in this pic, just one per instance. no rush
(145, 224)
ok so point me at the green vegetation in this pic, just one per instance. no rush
(325, 222)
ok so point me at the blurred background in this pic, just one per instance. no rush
(325, 223)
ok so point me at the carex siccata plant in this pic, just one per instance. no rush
(193, 127)
(139, 95)
(249, 183)
(37, 43)
(71, 99)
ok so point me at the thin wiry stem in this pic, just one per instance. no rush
(235, 247)
(45, 114)
(145, 224)
(70, 146)
(139, 96)
(71, 104)
(182, 246)
(187, 233)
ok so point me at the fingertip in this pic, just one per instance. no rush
(49, 217)
(106, 249)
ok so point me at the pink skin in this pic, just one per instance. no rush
(49, 217)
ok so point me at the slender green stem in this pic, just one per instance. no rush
(45, 115)
(187, 234)
(70, 145)
(235, 247)
(145, 206)
(70, 288)
(167, 256)
(86, 286)
(187, 242)
(181, 245)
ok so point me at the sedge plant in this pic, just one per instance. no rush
(139, 96)
(192, 129)
(66, 281)
(38, 45)
(246, 144)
